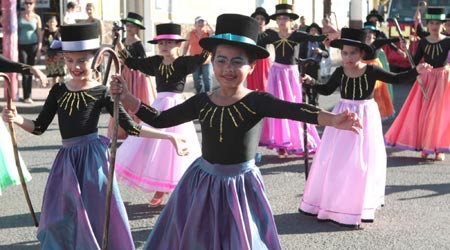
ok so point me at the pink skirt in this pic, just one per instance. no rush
(347, 179)
(153, 164)
(283, 133)
(424, 125)
(257, 80)
(140, 86)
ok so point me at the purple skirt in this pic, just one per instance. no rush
(73, 209)
(217, 206)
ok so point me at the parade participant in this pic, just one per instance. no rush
(424, 124)
(381, 92)
(220, 203)
(7, 65)
(257, 80)
(347, 179)
(9, 175)
(314, 50)
(73, 208)
(54, 61)
(281, 134)
(139, 83)
(153, 165)
(203, 76)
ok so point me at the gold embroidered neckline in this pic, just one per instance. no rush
(166, 70)
(283, 42)
(70, 100)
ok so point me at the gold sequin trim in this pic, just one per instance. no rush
(221, 126)
(212, 116)
(249, 110)
(433, 49)
(239, 113)
(206, 114)
(70, 100)
(283, 42)
(150, 109)
(310, 111)
(360, 87)
(354, 88)
(135, 130)
(166, 70)
(367, 82)
(232, 117)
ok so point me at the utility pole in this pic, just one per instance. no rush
(9, 24)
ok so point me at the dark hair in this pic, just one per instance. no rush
(251, 57)
(71, 5)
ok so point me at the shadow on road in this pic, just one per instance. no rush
(142, 211)
(436, 189)
(297, 223)
(27, 245)
(18, 220)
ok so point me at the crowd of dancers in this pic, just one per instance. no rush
(217, 196)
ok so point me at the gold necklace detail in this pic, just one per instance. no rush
(69, 100)
(166, 70)
(283, 42)
(433, 49)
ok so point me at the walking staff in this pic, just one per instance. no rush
(302, 63)
(114, 57)
(116, 29)
(410, 58)
(16, 152)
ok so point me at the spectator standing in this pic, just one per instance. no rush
(69, 17)
(332, 33)
(303, 26)
(90, 11)
(203, 79)
(29, 40)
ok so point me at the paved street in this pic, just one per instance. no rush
(416, 214)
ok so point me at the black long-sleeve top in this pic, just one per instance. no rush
(376, 45)
(230, 134)
(169, 78)
(135, 49)
(434, 54)
(79, 111)
(7, 65)
(285, 47)
(362, 87)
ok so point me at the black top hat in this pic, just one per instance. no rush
(261, 11)
(375, 14)
(371, 26)
(235, 29)
(435, 13)
(352, 37)
(314, 25)
(167, 31)
(447, 17)
(285, 10)
(134, 18)
(79, 37)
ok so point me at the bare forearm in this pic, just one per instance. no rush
(130, 102)
(155, 134)
(326, 118)
(24, 123)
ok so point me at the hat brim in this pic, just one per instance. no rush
(339, 43)
(314, 26)
(292, 16)
(141, 26)
(209, 43)
(155, 41)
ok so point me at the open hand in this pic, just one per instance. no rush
(180, 144)
(347, 121)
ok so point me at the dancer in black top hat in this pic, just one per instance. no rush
(220, 203)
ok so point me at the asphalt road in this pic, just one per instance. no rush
(416, 214)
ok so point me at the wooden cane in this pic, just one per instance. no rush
(116, 29)
(302, 63)
(16, 151)
(113, 149)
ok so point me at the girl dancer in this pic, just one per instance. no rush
(139, 84)
(75, 196)
(153, 165)
(424, 125)
(381, 92)
(284, 135)
(220, 202)
(347, 178)
(257, 80)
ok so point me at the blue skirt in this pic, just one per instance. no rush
(217, 206)
(73, 209)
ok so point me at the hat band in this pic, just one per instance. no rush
(235, 38)
(167, 37)
(435, 16)
(134, 20)
(370, 27)
(81, 45)
(287, 11)
(351, 40)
